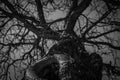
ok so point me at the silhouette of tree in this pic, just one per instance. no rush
(86, 32)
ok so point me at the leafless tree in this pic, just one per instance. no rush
(27, 32)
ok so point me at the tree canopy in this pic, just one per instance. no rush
(29, 28)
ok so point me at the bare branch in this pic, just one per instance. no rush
(102, 34)
(99, 20)
(114, 70)
(39, 32)
(117, 23)
(9, 5)
(73, 18)
(103, 43)
(41, 13)
(57, 20)
(1, 26)
(16, 44)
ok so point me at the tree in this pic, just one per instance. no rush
(27, 32)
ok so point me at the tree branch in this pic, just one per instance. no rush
(94, 24)
(16, 44)
(41, 13)
(112, 3)
(73, 17)
(30, 18)
(10, 6)
(104, 43)
(57, 20)
(102, 34)
(39, 32)
(115, 70)
(117, 23)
